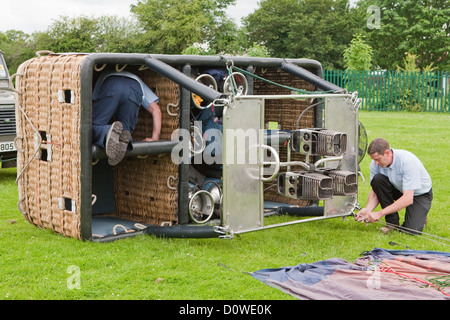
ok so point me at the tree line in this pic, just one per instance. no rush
(316, 29)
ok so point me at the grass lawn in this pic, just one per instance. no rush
(34, 263)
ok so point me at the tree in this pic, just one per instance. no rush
(91, 34)
(270, 25)
(258, 50)
(68, 34)
(173, 25)
(17, 47)
(118, 34)
(358, 56)
(228, 38)
(315, 29)
(419, 27)
(200, 49)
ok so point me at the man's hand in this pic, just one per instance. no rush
(361, 216)
(373, 217)
(365, 215)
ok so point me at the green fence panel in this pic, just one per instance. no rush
(383, 90)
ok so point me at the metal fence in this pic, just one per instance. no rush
(396, 90)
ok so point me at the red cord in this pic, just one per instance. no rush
(390, 270)
(47, 142)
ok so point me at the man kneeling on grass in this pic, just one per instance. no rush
(398, 180)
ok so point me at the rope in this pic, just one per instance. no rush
(38, 147)
(433, 284)
(120, 69)
(440, 281)
(176, 106)
(52, 143)
(231, 66)
(304, 111)
(98, 69)
(140, 226)
(169, 179)
(416, 232)
(120, 226)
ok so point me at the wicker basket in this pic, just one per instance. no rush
(49, 157)
(48, 142)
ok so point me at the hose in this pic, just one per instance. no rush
(183, 231)
(309, 211)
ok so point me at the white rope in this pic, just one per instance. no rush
(38, 147)
(175, 106)
(120, 69)
(98, 69)
(120, 226)
(140, 226)
(169, 179)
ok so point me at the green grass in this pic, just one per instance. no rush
(34, 262)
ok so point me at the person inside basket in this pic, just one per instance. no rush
(398, 180)
(120, 95)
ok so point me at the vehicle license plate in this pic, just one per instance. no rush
(7, 146)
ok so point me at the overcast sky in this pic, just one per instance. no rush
(36, 15)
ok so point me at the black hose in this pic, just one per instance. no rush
(184, 231)
(309, 211)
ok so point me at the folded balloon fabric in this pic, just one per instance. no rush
(379, 274)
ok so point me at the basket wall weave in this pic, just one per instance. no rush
(49, 187)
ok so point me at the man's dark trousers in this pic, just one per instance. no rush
(415, 214)
(120, 97)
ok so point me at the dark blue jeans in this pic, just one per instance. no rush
(119, 97)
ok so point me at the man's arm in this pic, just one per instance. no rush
(155, 110)
(372, 203)
(405, 200)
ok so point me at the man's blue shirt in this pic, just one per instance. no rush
(405, 173)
